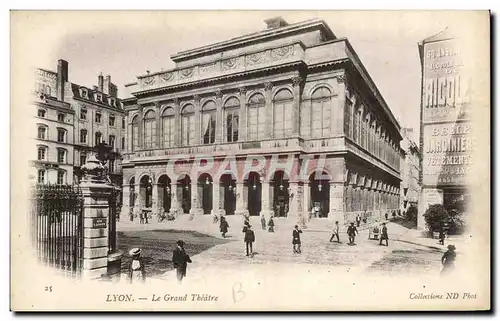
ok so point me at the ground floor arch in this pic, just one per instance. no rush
(319, 189)
(146, 191)
(205, 192)
(253, 187)
(164, 193)
(184, 192)
(280, 193)
(227, 193)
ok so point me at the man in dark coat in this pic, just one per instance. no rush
(180, 259)
(249, 238)
(263, 222)
(351, 232)
(448, 260)
(384, 235)
(358, 220)
(296, 240)
(271, 225)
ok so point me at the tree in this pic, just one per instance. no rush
(435, 216)
(411, 214)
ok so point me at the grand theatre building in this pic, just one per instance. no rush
(285, 122)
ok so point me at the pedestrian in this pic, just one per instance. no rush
(296, 239)
(146, 216)
(448, 260)
(351, 232)
(223, 226)
(335, 232)
(271, 225)
(384, 235)
(136, 271)
(263, 221)
(141, 218)
(180, 259)
(376, 231)
(441, 235)
(386, 216)
(249, 239)
(358, 220)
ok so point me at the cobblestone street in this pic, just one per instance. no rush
(275, 249)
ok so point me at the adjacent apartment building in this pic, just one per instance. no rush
(71, 120)
(410, 172)
(292, 98)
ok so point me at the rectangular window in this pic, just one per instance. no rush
(232, 123)
(111, 120)
(83, 114)
(123, 142)
(41, 153)
(60, 177)
(41, 113)
(112, 165)
(83, 159)
(41, 176)
(97, 138)
(112, 141)
(61, 135)
(168, 131)
(83, 136)
(209, 128)
(97, 117)
(187, 130)
(123, 122)
(61, 118)
(41, 132)
(61, 156)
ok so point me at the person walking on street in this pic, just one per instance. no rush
(296, 240)
(441, 235)
(351, 232)
(448, 260)
(384, 235)
(136, 271)
(249, 239)
(358, 220)
(271, 225)
(263, 221)
(223, 226)
(335, 232)
(180, 259)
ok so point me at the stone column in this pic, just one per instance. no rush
(336, 202)
(219, 122)
(177, 132)
(95, 192)
(154, 199)
(141, 128)
(195, 199)
(240, 205)
(215, 198)
(174, 202)
(242, 125)
(269, 110)
(296, 106)
(293, 200)
(125, 202)
(197, 120)
(158, 127)
(307, 200)
(266, 206)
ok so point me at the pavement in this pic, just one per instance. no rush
(273, 251)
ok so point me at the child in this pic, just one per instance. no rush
(136, 271)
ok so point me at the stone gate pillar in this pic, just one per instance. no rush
(174, 202)
(125, 212)
(195, 199)
(240, 203)
(336, 202)
(215, 198)
(96, 193)
(266, 206)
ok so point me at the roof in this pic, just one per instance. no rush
(255, 37)
(445, 34)
(75, 88)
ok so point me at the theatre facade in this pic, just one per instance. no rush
(274, 123)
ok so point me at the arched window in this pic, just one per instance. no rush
(282, 121)
(61, 177)
(187, 125)
(41, 176)
(256, 117)
(232, 117)
(208, 122)
(42, 132)
(150, 130)
(168, 127)
(135, 133)
(320, 112)
(97, 138)
(42, 153)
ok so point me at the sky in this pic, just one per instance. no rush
(126, 44)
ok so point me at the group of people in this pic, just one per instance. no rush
(352, 231)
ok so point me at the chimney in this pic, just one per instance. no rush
(95, 88)
(62, 78)
(276, 22)
(100, 82)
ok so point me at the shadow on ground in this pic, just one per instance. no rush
(157, 247)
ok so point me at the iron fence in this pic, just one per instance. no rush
(113, 216)
(56, 222)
